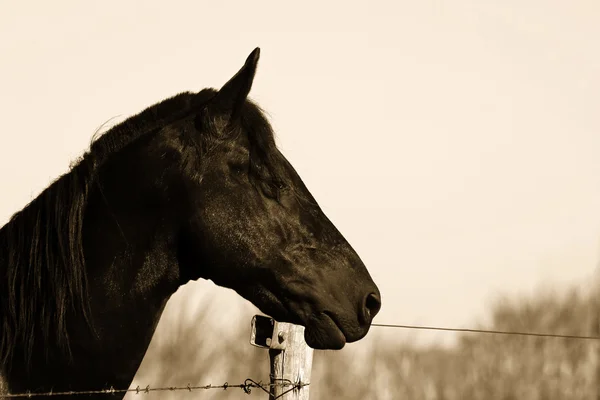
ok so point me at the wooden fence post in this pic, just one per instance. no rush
(290, 357)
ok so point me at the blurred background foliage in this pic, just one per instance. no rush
(198, 343)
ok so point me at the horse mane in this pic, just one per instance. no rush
(42, 266)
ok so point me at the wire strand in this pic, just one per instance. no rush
(488, 331)
(247, 387)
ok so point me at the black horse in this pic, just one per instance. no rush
(193, 187)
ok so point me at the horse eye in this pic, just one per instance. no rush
(280, 186)
(237, 168)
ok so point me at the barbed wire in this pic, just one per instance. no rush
(250, 384)
(247, 387)
(489, 331)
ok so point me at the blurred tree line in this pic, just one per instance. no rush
(478, 366)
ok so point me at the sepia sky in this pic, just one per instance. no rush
(455, 144)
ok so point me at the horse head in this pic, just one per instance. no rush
(253, 226)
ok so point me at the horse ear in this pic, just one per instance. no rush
(232, 95)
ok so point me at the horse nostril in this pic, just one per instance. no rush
(371, 307)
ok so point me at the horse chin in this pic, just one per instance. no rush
(322, 330)
(322, 333)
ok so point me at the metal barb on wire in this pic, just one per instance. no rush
(497, 332)
(286, 382)
(296, 386)
(247, 387)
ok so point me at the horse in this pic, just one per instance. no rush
(193, 187)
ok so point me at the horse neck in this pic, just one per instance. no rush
(130, 233)
(129, 241)
(131, 267)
